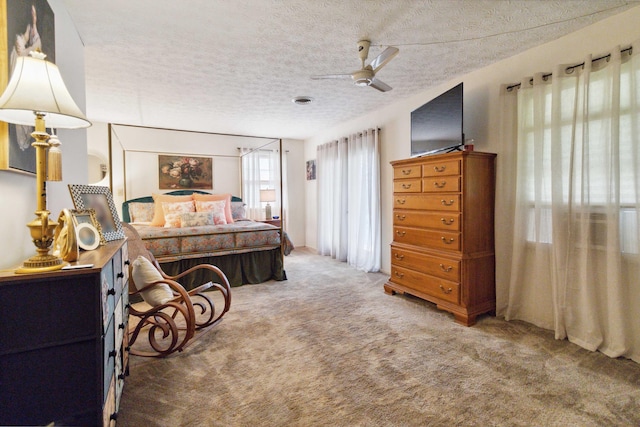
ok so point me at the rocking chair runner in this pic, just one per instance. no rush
(175, 314)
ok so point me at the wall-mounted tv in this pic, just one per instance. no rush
(437, 126)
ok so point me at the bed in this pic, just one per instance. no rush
(247, 251)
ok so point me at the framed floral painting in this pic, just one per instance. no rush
(184, 172)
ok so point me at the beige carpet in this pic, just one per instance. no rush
(329, 348)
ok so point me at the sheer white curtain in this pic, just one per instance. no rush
(261, 170)
(576, 264)
(348, 173)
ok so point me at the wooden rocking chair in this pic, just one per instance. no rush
(170, 315)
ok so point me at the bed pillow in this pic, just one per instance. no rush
(217, 210)
(141, 212)
(215, 197)
(158, 213)
(238, 211)
(173, 212)
(197, 219)
(145, 273)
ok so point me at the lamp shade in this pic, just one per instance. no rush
(37, 86)
(267, 195)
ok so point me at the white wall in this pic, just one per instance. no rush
(482, 117)
(17, 191)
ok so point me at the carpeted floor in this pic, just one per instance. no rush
(328, 348)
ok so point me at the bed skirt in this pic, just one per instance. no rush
(244, 268)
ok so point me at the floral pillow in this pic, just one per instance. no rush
(217, 208)
(141, 212)
(158, 199)
(196, 219)
(238, 211)
(174, 211)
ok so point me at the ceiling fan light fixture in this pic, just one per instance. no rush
(302, 100)
(362, 78)
(362, 82)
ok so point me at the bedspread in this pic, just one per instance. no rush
(172, 244)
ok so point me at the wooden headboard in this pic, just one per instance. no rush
(149, 199)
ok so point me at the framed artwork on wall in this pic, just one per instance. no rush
(311, 170)
(29, 26)
(99, 199)
(184, 172)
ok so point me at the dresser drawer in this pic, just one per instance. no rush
(440, 184)
(402, 172)
(439, 288)
(427, 238)
(433, 202)
(435, 266)
(441, 168)
(407, 186)
(442, 221)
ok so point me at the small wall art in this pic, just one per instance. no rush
(311, 170)
(179, 172)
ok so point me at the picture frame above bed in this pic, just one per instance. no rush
(100, 199)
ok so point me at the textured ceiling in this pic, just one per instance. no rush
(233, 66)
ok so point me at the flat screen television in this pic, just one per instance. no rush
(437, 126)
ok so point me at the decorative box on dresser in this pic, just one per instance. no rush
(443, 232)
(63, 342)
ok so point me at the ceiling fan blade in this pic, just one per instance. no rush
(382, 59)
(381, 86)
(332, 76)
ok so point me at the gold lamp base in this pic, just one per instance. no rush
(41, 264)
(42, 231)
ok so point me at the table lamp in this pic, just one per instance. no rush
(268, 196)
(35, 91)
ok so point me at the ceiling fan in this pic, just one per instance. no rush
(366, 76)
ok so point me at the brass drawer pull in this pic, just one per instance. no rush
(401, 217)
(439, 185)
(448, 242)
(401, 201)
(406, 171)
(445, 222)
(440, 168)
(406, 186)
(445, 269)
(398, 274)
(446, 291)
(398, 256)
(402, 233)
(444, 202)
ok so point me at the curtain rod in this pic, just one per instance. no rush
(259, 149)
(570, 68)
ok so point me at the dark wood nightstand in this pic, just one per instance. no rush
(276, 222)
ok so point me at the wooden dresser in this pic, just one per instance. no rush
(443, 232)
(63, 346)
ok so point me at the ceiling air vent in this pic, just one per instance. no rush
(302, 100)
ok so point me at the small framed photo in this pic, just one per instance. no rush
(99, 199)
(88, 216)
